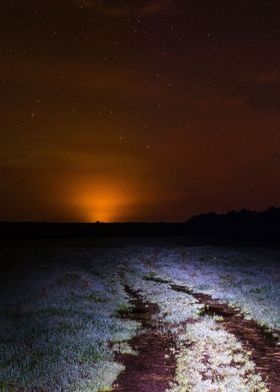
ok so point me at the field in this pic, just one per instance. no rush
(139, 315)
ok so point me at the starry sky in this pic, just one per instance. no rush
(138, 110)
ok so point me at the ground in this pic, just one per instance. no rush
(139, 315)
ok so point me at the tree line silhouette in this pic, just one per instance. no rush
(243, 225)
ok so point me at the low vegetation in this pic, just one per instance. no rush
(61, 326)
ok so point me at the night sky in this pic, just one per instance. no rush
(138, 110)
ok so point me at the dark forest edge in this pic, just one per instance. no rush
(243, 225)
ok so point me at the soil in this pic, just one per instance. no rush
(153, 369)
(254, 338)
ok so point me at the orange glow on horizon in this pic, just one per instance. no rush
(106, 204)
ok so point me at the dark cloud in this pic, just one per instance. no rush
(262, 89)
(128, 9)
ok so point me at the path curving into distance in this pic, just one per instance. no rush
(154, 367)
(254, 338)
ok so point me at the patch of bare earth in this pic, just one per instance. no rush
(153, 368)
(254, 338)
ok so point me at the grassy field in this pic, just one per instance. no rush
(63, 305)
